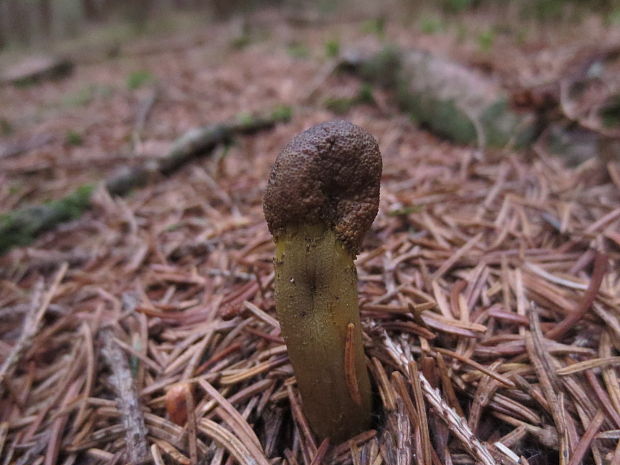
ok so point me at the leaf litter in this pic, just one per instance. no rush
(489, 292)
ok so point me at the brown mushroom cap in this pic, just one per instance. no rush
(327, 174)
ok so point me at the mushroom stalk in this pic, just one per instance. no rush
(316, 301)
(322, 196)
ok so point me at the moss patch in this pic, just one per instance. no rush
(20, 227)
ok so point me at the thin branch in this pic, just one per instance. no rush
(128, 399)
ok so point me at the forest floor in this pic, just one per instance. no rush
(491, 275)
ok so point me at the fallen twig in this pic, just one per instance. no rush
(142, 115)
(21, 227)
(128, 399)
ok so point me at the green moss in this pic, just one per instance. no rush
(86, 95)
(610, 112)
(75, 203)
(442, 116)
(486, 39)
(461, 32)
(341, 105)
(245, 118)
(6, 128)
(406, 210)
(25, 83)
(332, 48)
(138, 79)
(431, 25)
(20, 227)
(613, 18)
(79, 98)
(383, 67)
(282, 113)
(503, 125)
(297, 49)
(365, 95)
(241, 41)
(457, 6)
(499, 122)
(375, 26)
(74, 138)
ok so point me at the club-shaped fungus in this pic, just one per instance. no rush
(322, 196)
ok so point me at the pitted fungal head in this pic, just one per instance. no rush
(327, 174)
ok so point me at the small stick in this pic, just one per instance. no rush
(128, 399)
(191, 426)
(142, 115)
(415, 377)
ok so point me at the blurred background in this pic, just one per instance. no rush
(37, 22)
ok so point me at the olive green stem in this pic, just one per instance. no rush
(316, 301)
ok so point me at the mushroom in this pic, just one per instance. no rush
(321, 198)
